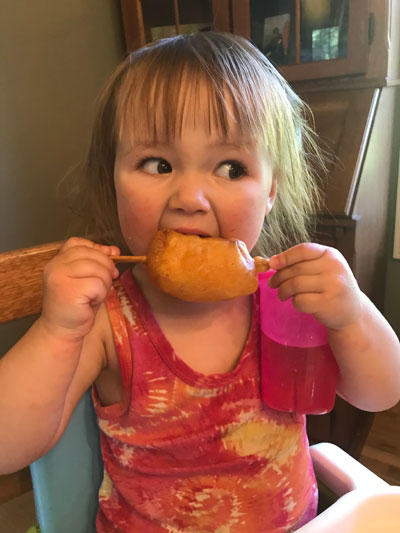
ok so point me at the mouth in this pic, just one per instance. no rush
(192, 231)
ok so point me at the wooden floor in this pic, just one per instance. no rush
(381, 454)
(17, 515)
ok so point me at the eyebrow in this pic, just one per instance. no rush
(221, 144)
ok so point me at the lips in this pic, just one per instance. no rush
(192, 231)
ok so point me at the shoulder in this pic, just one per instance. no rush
(98, 350)
(101, 340)
(108, 380)
(102, 335)
(97, 343)
(110, 317)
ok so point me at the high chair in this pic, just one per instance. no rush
(66, 480)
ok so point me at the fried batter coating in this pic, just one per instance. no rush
(198, 269)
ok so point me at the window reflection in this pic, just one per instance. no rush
(323, 29)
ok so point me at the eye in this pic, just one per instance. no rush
(155, 165)
(231, 170)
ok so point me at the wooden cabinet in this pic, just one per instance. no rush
(323, 38)
(352, 94)
(318, 38)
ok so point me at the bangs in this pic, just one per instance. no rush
(167, 88)
(164, 103)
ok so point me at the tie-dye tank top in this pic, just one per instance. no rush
(184, 451)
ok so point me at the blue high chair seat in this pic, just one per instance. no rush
(66, 480)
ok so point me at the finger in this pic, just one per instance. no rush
(296, 254)
(307, 303)
(89, 268)
(77, 242)
(79, 252)
(79, 269)
(300, 285)
(93, 290)
(108, 250)
(305, 268)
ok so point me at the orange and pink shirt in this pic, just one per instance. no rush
(184, 451)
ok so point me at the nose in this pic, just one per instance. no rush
(189, 195)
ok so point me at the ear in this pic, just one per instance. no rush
(272, 195)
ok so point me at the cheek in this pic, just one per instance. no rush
(138, 223)
(129, 209)
(246, 219)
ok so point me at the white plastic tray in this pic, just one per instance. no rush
(360, 511)
(366, 504)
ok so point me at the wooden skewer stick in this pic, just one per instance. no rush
(129, 258)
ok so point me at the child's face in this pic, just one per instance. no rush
(198, 183)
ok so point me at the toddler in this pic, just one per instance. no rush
(200, 134)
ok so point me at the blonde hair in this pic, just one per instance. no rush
(151, 88)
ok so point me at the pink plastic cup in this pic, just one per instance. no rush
(298, 369)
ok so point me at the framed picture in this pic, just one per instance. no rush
(276, 37)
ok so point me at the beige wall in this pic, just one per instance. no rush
(54, 58)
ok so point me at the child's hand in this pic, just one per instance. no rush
(75, 283)
(320, 282)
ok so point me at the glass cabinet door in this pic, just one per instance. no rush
(309, 38)
(195, 16)
(147, 20)
(323, 29)
(158, 19)
(172, 17)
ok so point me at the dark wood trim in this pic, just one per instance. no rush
(221, 15)
(241, 22)
(297, 31)
(341, 84)
(325, 220)
(379, 47)
(176, 15)
(132, 17)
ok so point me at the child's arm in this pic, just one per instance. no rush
(44, 375)
(365, 346)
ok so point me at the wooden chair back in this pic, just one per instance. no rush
(21, 274)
